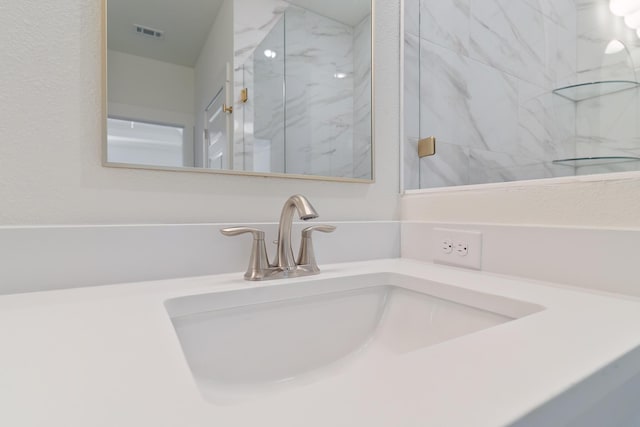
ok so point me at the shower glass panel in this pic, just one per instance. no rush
(517, 90)
(309, 96)
(260, 143)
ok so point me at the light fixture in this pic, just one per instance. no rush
(624, 7)
(271, 54)
(613, 47)
(340, 75)
(633, 20)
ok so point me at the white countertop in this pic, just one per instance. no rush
(109, 356)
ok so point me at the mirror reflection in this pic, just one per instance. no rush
(558, 97)
(263, 86)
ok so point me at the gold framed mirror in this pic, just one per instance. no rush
(249, 87)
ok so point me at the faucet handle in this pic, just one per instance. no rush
(322, 228)
(258, 262)
(236, 231)
(306, 256)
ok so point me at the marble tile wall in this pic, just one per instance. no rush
(261, 148)
(325, 75)
(362, 164)
(607, 125)
(479, 76)
(319, 95)
(253, 20)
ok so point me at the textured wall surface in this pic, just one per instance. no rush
(50, 137)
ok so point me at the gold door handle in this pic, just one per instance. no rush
(227, 109)
(427, 147)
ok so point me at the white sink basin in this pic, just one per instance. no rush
(244, 343)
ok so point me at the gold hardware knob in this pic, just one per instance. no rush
(427, 147)
(227, 109)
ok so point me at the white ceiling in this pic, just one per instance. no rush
(186, 25)
(350, 12)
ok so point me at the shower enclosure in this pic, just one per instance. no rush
(308, 104)
(516, 90)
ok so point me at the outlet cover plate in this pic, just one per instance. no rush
(473, 240)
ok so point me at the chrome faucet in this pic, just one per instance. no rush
(284, 265)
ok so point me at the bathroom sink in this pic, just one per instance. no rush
(243, 343)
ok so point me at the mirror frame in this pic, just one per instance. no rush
(105, 111)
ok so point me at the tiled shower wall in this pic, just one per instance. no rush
(479, 76)
(362, 102)
(323, 126)
(607, 125)
(319, 106)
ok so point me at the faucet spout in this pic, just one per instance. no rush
(284, 257)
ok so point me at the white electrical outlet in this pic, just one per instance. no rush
(458, 247)
(462, 248)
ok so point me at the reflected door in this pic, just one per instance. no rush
(215, 134)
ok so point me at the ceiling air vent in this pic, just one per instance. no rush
(149, 32)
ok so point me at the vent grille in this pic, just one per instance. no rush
(149, 32)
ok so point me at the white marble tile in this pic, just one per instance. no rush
(487, 167)
(328, 119)
(560, 12)
(610, 121)
(411, 111)
(609, 167)
(448, 167)
(446, 23)
(546, 124)
(319, 112)
(465, 102)
(412, 17)
(491, 113)
(259, 141)
(252, 21)
(511, 36)
(362, 100)
(596, 28)
(444, 91)
(411, 86)
(491, 100)
(562, 54)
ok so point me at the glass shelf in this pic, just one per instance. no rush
(591, 161)
(583, 91)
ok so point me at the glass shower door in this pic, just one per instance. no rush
(216, 135)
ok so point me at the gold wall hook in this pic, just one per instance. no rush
(427, 147)
(244, 95)
(227, 109)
